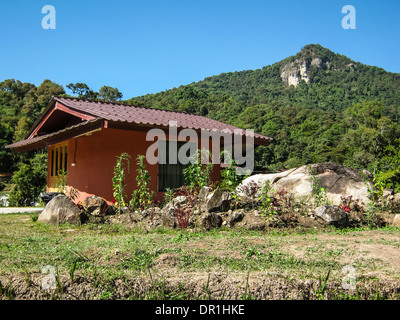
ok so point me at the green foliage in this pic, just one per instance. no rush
(318, 192)
(6, 159)
(20, 105)
(388, 174)
(309, 123)
(266, 199)
(30, 180)
(198, 174)
(122, 165)
(168, 195)
(109, 94)
(142, 197)
(276, 203)
(320, 292)
(346, 115)
(82, 91)
(62, 186)
(106, 93)
(230, 179)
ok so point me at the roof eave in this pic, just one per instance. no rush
(56, 137)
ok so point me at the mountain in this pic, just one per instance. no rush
(317, 105)
(305, 102)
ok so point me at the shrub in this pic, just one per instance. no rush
(183, 212)
(30, 180)
(230, 179)
(250, 189)
(196, 174)
(142, 197)
(123, 163)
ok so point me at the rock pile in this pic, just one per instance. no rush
(293, 203)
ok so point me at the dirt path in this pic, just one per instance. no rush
(5, 210)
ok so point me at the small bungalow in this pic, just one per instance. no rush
(84, 139)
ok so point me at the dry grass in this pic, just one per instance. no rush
(108, 261)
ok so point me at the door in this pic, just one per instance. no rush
(57, 166)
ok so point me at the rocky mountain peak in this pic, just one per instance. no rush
(297, 68)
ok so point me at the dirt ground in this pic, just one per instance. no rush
(208, 265)
(375, 254)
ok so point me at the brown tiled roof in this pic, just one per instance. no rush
(124, 114)
(55, 137)
(147, 116)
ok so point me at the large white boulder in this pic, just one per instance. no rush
(336, 180)
(59, 210)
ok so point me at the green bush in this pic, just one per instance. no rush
(30, 180)
(197, 174)
(142, 197)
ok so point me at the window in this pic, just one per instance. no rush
(170, 175)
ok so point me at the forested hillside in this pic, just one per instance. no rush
(317, 106)
(338, 110)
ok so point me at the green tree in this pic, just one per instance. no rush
(109, 94)
(6, 158)
(79, 89)
(30, 180)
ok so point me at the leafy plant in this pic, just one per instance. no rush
(319, 192)
(142, 197)
(246, 295)
(388, 176)
(349, 204)
(184, 211)
(62, 186)
(266, 199)
(168, 195)
(29, 181)
(197, 174)
(72, 270)
(229, 177)
(379, 184)
(123, 164)
(322, 286)
(250, 189)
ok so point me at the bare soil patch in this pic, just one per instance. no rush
(123, 261)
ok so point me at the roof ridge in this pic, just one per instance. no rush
(132, 105)
(193, 120)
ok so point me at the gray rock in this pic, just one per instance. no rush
(337, 181)
(396, 198)
(396, 220)
(254, 223)
(333, 215)
(210, 220)
(168, 218)
(59, 210)
(236, 216)
(293, 72)
(179, 200)
(204, 191)
(387, 193)
(95, 206)
(220, 200)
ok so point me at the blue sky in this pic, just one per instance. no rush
(149, 46)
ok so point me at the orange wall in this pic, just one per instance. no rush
(95, 157)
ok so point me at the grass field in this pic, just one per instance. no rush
(109, 261)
